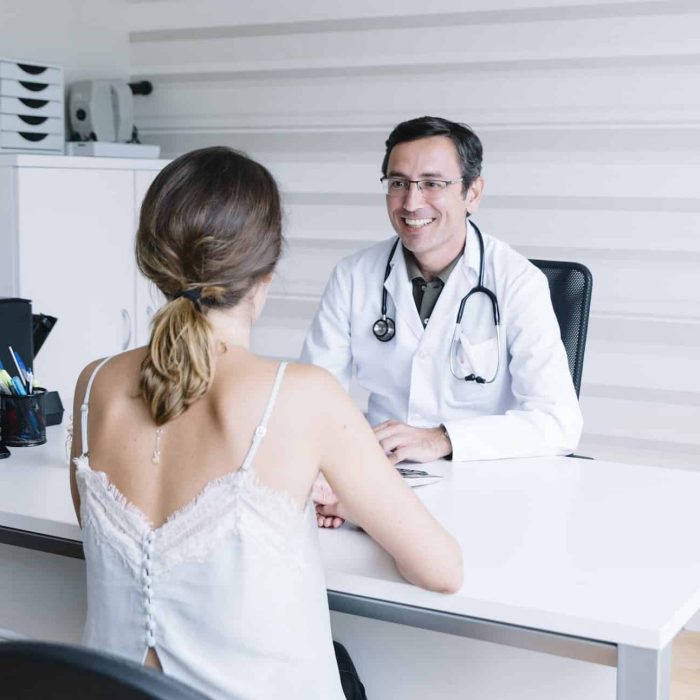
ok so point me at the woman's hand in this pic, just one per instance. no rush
(329, 510)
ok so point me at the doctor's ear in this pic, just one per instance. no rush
(474, 194)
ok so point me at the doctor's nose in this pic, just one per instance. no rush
(414, 198)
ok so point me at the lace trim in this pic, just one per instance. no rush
(229, 505)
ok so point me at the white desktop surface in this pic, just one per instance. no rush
(593, 549)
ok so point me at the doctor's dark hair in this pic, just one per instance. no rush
(466, 142)
(210, 229)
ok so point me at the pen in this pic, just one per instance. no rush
(25, 373)
(17, 360)
(19, 387)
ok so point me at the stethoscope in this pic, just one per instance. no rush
(384, 328)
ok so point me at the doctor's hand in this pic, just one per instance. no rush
(329, 510)
(401, 441)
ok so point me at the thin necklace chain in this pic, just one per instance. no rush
(155, 458)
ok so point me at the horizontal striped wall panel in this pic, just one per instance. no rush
(663, 236)
(212, 18)
(446, 43)
(637, 420)
(639, 289)
(610, 97)
(629, 183)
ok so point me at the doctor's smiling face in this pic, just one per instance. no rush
(430, 221)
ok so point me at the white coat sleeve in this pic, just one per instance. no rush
(327, 342)
(547, 420)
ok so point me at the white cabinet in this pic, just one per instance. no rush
(67, 230)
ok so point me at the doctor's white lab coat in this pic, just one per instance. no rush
(530, 409)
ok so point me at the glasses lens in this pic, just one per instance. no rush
(398, 186)
(428, 187)
(395, 185)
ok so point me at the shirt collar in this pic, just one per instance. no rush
(414, 272)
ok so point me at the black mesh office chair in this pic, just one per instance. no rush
(43, 671)
(570, 286)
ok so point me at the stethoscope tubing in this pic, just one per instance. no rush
(384, 328)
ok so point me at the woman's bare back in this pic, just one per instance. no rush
(209, 440)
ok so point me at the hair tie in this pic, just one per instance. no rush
(194, 295)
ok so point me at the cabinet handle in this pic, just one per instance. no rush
(126, 320)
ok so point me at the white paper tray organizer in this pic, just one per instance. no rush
(31, 107)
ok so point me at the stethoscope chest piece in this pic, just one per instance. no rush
(384, 329)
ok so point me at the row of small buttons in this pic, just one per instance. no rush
(147, 581)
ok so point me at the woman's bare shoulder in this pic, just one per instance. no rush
(119, 373)
(313, 379)
(318, 393)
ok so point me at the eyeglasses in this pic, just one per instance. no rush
(399, 186)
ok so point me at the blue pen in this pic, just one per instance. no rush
(25, 373)
(19, 387)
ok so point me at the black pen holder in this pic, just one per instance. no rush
(23, 419)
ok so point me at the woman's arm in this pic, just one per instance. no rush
(377, 498)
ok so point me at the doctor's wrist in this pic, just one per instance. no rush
(445, 442)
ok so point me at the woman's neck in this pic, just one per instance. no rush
(231, 327)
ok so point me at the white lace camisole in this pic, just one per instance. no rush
(229, 591)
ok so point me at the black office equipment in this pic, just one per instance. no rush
(40, 670)
(570, 287)
(41, 327)
(26, 332)
(16, 330)
(53, 408)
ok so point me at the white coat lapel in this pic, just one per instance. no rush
(464, 276)
(399, 288)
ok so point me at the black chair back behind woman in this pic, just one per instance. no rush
(40, 670)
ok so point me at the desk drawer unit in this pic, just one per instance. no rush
(31, 107)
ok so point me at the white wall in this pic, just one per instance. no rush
(88, 38)
(591, 143)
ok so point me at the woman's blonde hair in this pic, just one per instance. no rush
(210, 229)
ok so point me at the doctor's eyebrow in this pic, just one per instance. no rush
(396, 173)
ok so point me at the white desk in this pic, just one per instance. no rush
(590, 559)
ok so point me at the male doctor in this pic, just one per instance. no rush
(476, 390)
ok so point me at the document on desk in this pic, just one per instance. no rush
(418, 477)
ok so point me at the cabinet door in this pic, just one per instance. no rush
(148, 298)
(76, 262)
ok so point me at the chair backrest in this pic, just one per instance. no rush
(40, 670)
(570, 286)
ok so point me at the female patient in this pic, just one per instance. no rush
(195, 460)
